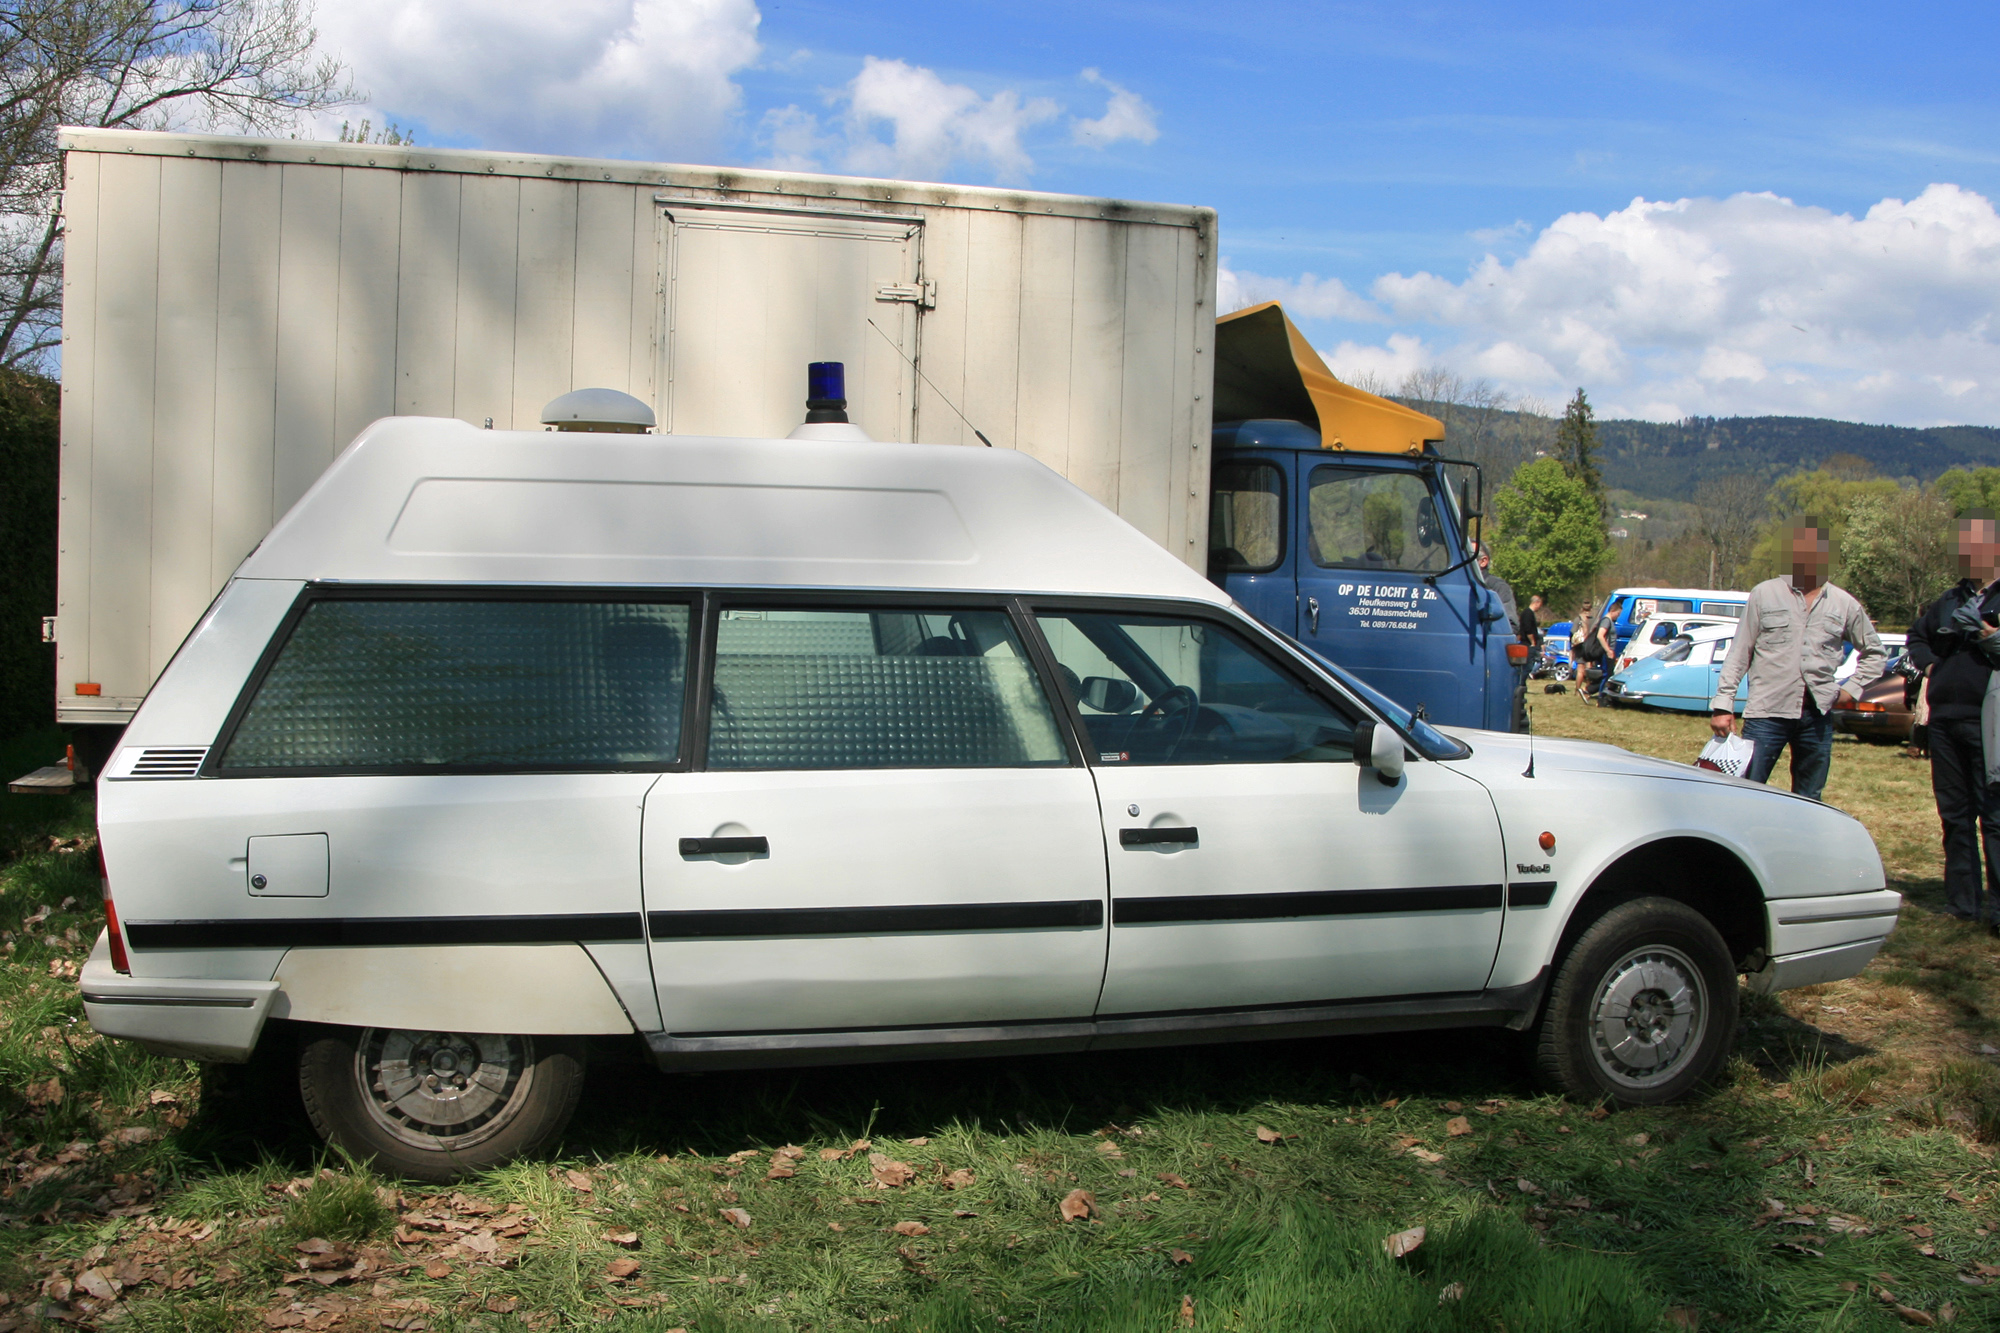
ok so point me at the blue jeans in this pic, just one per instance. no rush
(1811, 739)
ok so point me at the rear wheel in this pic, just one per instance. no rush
(436, 1105)
(1643, 1008)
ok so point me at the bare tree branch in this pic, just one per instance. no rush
(203, 65)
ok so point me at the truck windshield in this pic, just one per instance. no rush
(1433, 744)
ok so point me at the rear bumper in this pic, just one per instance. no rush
(1814, 940)
(191, 1018)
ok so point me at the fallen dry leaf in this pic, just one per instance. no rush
(437, 1268)
(1187, 1311)
(1268, 1135)
(578, 1181)
(622, 1268)
(744, 1155)
(98, 1283)
(911, 1229)
(1453, 1107)
(959, 1179)
(1078, 1205)
(888, 1173)
(1169, 1178)
(1403, 1242)
(738, 1216)
(1453, 1291)
(1179, 1257)
(1426, 1155)
(1457, 1125)
(626, 1240)
(918, 1142)
(1686, 1316)
(1917, 1317)
(1109, 1149)
(780, 1171)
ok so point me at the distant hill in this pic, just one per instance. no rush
(1668, 460)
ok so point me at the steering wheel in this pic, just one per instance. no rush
(1179, 707)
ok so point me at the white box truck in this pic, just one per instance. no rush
(237, 309)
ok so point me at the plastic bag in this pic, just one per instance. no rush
(1728, 755)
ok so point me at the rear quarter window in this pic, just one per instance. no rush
(423, 684)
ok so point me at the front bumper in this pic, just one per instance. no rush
(1815, 940)
(188, 1017)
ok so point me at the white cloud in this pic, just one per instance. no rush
(1307, 296)
(1385, 365)
(1751, 304)
(1128, 116)
(642, 78)
(931, 124)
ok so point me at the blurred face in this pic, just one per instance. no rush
(1979, 549)
(1812, 557)
(1484, 558)
(1535, 602)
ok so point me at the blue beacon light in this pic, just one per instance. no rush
(826, 391)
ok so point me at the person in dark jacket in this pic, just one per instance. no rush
(1944, 646)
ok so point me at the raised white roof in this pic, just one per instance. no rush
(435, 500)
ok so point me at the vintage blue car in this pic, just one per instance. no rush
(1682, 676)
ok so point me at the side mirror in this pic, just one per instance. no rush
(1380, 748)
(1107, 695)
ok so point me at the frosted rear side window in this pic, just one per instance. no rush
(436, 684)
(827, 689)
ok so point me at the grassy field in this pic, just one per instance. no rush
(1841, 1178)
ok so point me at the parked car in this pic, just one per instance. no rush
(1682, 677)
(782, 752)
(1883, 712)
(1554, 662)
(1655, 632)
(1893, 648)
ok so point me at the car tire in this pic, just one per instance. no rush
(1642, 1010)
(438, 1105)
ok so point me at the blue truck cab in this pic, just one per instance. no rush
(1334, 519)
(1363, 558)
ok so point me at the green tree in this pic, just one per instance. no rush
(1821, 495)
(1551, 539)
(1576, 447)
(1899, 552)
(1966, 489)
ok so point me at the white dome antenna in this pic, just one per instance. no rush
(606, 411)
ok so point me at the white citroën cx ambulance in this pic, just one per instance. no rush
(776, 752)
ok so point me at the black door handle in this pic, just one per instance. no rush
(716, 846)
(1153, 837)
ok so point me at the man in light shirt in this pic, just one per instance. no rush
(1794, 631)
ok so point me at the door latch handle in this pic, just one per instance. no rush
(1154, 837)
(718, 846)
(1312, 609)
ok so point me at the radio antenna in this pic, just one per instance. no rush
(934, 388)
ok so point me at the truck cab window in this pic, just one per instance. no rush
(802, 688)
(425, 684)
(1169, 690)
(1375, 521)
(1246, 519)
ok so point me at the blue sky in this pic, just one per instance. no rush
(1446, 183)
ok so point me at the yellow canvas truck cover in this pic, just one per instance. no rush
(1264, 367)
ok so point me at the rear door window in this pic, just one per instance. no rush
(836, 688)
(418, 684)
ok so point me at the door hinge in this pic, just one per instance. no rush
(48, 629)
(921, 294)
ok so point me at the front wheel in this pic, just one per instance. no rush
(437, 1105)
(1643, 1008)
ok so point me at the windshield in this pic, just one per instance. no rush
(1430, 742)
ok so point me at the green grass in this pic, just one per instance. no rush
(1546, 1215)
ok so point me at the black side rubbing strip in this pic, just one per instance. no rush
(299, 932)
(1531, 893)
(751, 923)
(1154, 837)
(1279, 906)
(719, 846)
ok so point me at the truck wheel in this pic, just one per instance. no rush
(1643, 1008)
(437, 1105)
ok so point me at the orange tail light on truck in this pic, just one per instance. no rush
(114, 934)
